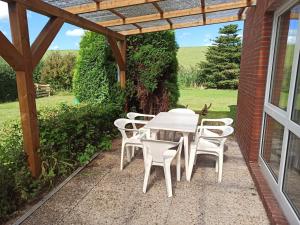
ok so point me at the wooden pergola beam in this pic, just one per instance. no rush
(45, 38)
(10, 54)
(25, 86)
(49, 10)
(203, 8)
(180, 25)
(177, 13)
(105, 5)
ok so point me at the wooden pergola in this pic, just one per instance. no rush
(113, 18)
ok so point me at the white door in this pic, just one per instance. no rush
(280, 140)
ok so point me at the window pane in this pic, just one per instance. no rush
(291, 184)
(296, 105)
(273, 144)
(285, 46)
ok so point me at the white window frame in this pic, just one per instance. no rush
(281, 116)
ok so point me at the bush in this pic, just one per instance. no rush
(8, 85)
(152, 72)
(57, 70)
(96, 77)
(188, 77)
(70, 135)
(228, 84)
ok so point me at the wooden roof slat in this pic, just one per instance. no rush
(178, 13)
(180, 25)
(105, 5)
(49, 10)
(203, 8)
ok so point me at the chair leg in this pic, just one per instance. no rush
(217, 165)
(132, 151)
(148, 165)
(128, 154)
(122, 155)
(167, 171)
(220, 168)
(191, 164)
(178, 166)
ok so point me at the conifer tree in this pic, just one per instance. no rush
(223, 60)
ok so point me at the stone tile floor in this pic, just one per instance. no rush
(102, 194)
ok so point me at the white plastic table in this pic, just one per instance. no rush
(180, 122)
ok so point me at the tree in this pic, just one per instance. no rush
(96, 77)
(223, 60)
(57, 70)
(152, 72)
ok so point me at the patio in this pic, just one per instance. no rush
(102, 194)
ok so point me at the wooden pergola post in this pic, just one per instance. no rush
(119, 51)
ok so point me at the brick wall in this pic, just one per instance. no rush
(254, 66)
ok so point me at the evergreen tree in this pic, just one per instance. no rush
(223, 60)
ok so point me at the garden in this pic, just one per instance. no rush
(77, 120)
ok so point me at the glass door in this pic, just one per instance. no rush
(280, 141)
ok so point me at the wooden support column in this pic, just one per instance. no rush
(119, 51)
(23, 58)
(26, 90)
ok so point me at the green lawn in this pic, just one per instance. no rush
(191, 56)
(10, 110)
(223, 101)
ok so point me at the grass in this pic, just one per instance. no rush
(10, 111)
(223, 101)
(191, 56)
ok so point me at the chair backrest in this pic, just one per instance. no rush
(224, 121)
(121, 125)
(182, 110)
(156, 148)
(134, 115)
(223, 131)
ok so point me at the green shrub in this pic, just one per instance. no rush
(188, 77)
(152, 72)
(70, 135)
(228, 84)
(57, 70)
(96, 76)
(37, 72)
(8, 85)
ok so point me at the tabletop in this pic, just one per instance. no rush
(180, 122)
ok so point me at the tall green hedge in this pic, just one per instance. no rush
(95, 76)
(8, 85)
(152, 71)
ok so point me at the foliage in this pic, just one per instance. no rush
(70, 135)
(96, 72)
(57, 70)
(223, 60)
(188, 77)
(152, 72)
(8, 86)
(37, 72)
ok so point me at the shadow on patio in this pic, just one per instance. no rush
(102, 194)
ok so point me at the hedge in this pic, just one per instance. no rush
(8, 85)
(70, 135)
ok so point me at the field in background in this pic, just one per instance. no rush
(223, 101)
(9, 111)
(187, 57)
(191, 56)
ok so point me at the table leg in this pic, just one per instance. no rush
(186, 152)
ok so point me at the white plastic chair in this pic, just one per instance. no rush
(159, 153)
(134, 115)
(212, 145)
(182, 110)
(212, 122)
(128, 141)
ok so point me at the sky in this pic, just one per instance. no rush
(69, 36)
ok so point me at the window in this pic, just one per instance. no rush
(287, 29)
(273, 144)
(291, 185)
(296, 104)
